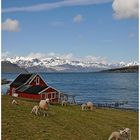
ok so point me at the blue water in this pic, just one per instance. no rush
(95, 87)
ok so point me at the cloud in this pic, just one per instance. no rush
(54, 5)
(36, 55)
(98, 59)
(125, 9)
(4, 54)
(51, 54)
(10, 25)
(78, 18)
(65, 56)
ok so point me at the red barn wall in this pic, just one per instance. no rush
(38, 96)
(49, 93)
(10, 93)
(54, 100)
(50, 90)
(29, 96)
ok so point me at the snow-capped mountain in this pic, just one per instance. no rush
(61, 64)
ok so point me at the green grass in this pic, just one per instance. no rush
(63, 123)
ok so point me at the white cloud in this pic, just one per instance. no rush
(10, 25)
(78, 18)
(125, 9)
(54, 5)
(4, 55)
(66, 56)
(98, 59)
(36, 55)
(51, 54)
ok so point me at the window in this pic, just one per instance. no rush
(49, 96)
(37, 80)
(52, 95)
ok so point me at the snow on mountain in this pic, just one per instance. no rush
(61, 64)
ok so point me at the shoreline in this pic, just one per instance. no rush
(77, 104)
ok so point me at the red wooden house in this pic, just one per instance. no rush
(32, 86)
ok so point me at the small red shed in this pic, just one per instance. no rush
(32, 86)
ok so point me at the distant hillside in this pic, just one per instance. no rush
(8, 67)
(123, 69)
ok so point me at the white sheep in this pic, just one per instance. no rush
(44, 105)
(128, 132)
(48, 100)
(90, 106)
(121, 135)
(35, 109)
(84, 107)
(14, 102)
(64, 103)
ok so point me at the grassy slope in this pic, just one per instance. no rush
(63, 123)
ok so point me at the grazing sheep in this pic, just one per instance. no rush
(121, 135)
(64, 103)
(44, 105)
(35, 109)
(90, 106)
(48, 100)
(128, 132)
(84, 107)
(14, 102)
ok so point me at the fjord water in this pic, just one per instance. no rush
(96, 87)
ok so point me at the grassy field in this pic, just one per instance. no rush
(63, 123)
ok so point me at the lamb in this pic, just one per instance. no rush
(90, 106)
(35, 109)
(44, 105)
(84, 107)
(47, 100)
(128, 132)
(14, 102)
(121, 135)
(64, 103)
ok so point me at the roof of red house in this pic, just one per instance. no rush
(21, 79)
(31, 89)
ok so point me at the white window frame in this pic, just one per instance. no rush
(51, 93)
(37, 80)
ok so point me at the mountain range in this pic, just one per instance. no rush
(57, 64)
(8, 67)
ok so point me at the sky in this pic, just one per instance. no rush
(105, 29)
